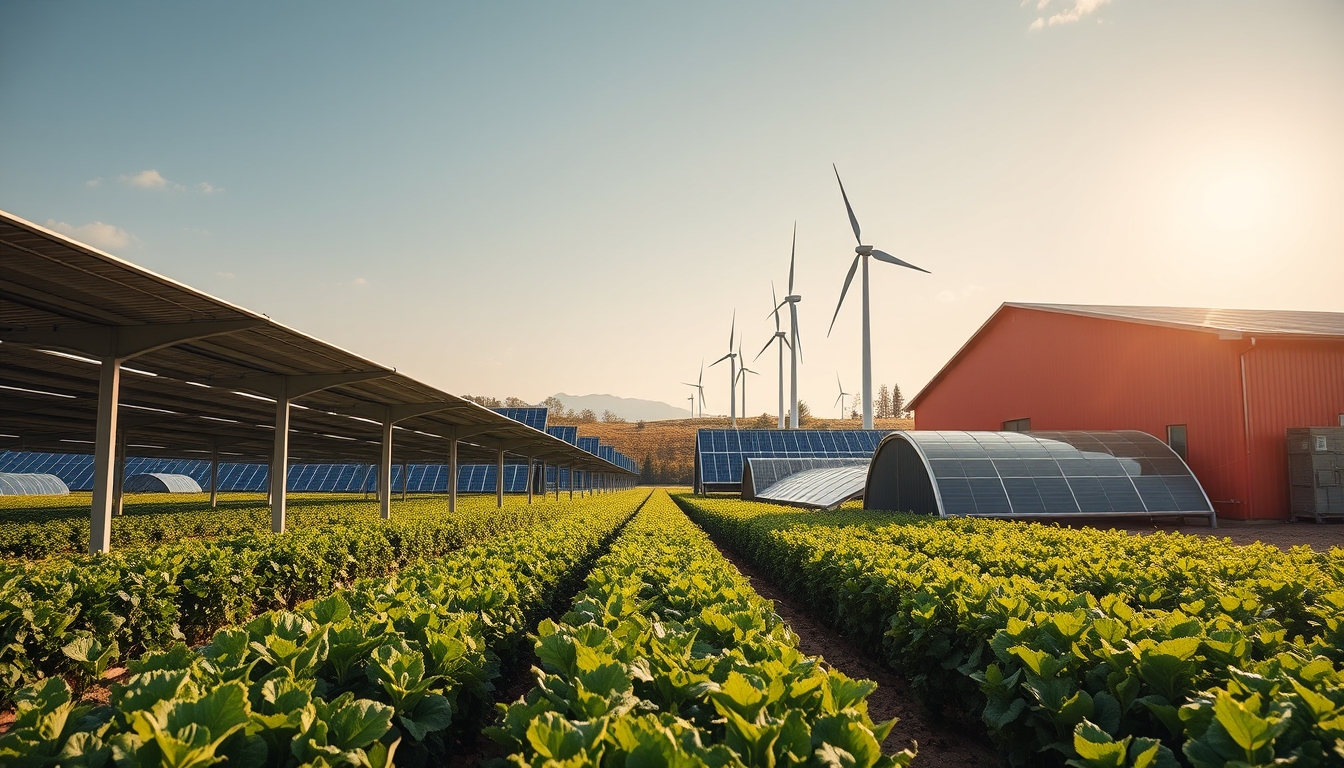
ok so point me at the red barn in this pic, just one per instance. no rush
(1220, 386)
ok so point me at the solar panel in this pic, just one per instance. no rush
(568, 434)
(761, 472)
(1033, 474)
(821, 488)
(721, 453)
(589, 444)
(532, 417)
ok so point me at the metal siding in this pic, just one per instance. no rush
(1291, 384)
(1066, 372)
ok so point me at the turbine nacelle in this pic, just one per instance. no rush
(794, 299)
(863, 250)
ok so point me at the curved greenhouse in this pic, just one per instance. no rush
(161, 482)
(31, 484)
(1033, 475)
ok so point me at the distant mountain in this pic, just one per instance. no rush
(629, 408)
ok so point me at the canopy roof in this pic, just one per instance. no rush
(205, 373)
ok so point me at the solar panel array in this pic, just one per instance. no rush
(532, 417)
(568, 434)
(589, 444)
(820, 488)
(721, 453)
(762, 472)
(1054, 473)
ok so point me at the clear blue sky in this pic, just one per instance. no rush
(530, 198)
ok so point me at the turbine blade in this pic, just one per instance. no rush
(848, 279)
(732, 330)
(792, 253)
(767, 346)
(721, 359)
(837, 401)
(853, 222)
(793, 318)
(774, 300)
(887, 257)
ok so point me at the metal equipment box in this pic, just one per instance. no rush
(1316, 472)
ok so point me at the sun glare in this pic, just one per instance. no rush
(1237, 201)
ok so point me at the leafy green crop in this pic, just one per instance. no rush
(669, 658)
(376, 672)
(149, 598)
(1094, 646)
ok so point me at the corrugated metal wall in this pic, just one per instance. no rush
(1290, 384)
(1069, 372)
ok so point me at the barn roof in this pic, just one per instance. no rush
(1226, 323)
(1263, 322)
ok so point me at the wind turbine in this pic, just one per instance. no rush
(742, 372)
(796, 348)
(699, 389)
(731, 357)
(862, 252)
(783, 339)
(840, 401)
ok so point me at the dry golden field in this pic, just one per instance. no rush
(671, 444)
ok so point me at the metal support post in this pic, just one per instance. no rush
(104, 453)
(119, 477)
(405, 478)
(214, 476)
(279, 464)
(529, 479)
(499, 477)
(385, 473)
(571, 483)
(452, 470)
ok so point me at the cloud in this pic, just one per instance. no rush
(150, 179)
(1080, 9)
(206, 188)
(91, 183)
(225, 275)
(966, 292)
(359, 282)
(197, 232)
(95, 233)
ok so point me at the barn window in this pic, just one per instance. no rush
(1176, 439)
(1017, 425)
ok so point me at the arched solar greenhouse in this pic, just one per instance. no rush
(1033, 475)
(161, 482)
(31, 484)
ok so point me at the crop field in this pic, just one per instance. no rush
(613, 630)
(1098, 647)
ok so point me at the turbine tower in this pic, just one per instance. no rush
(731, 357)
(796, 348)
(699, 387)
(862, 252)
(840, 401)
(783, 339)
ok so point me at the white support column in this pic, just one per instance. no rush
(529, 479)
(571, 482)
(452, 470)
(365, 482)
(214, 476)
(279, 464)
(385, 473)
(867, 356)
(405, 478)
(499, 477)
(104, 455)
(119, 477)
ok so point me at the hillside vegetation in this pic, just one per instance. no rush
(670, 445)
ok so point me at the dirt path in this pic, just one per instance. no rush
(940, 744)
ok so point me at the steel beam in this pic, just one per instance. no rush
(104, 453)
(122, 342)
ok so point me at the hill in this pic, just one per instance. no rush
(670, 444)
(628, 408)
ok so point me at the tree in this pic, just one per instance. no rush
(646, 476)
(897, 402)
(854, 407)
(587, 416)
(485, 400)
(804, 412)
(612, 418)
(554, 405)
(516, 402)
(883, 404)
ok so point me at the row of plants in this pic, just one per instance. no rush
(60, 615)
(1095, 647)
(383, 671)
(669, 658)
(36, 527)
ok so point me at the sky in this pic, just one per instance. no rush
(529, 198)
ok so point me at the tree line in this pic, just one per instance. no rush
(557, 413)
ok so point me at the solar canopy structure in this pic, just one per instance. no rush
(721, 454)
(532, 417)
(100, 356)
(161, 482)
(1033, 475)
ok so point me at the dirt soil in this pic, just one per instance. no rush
(1319, 536)
(940, 743)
